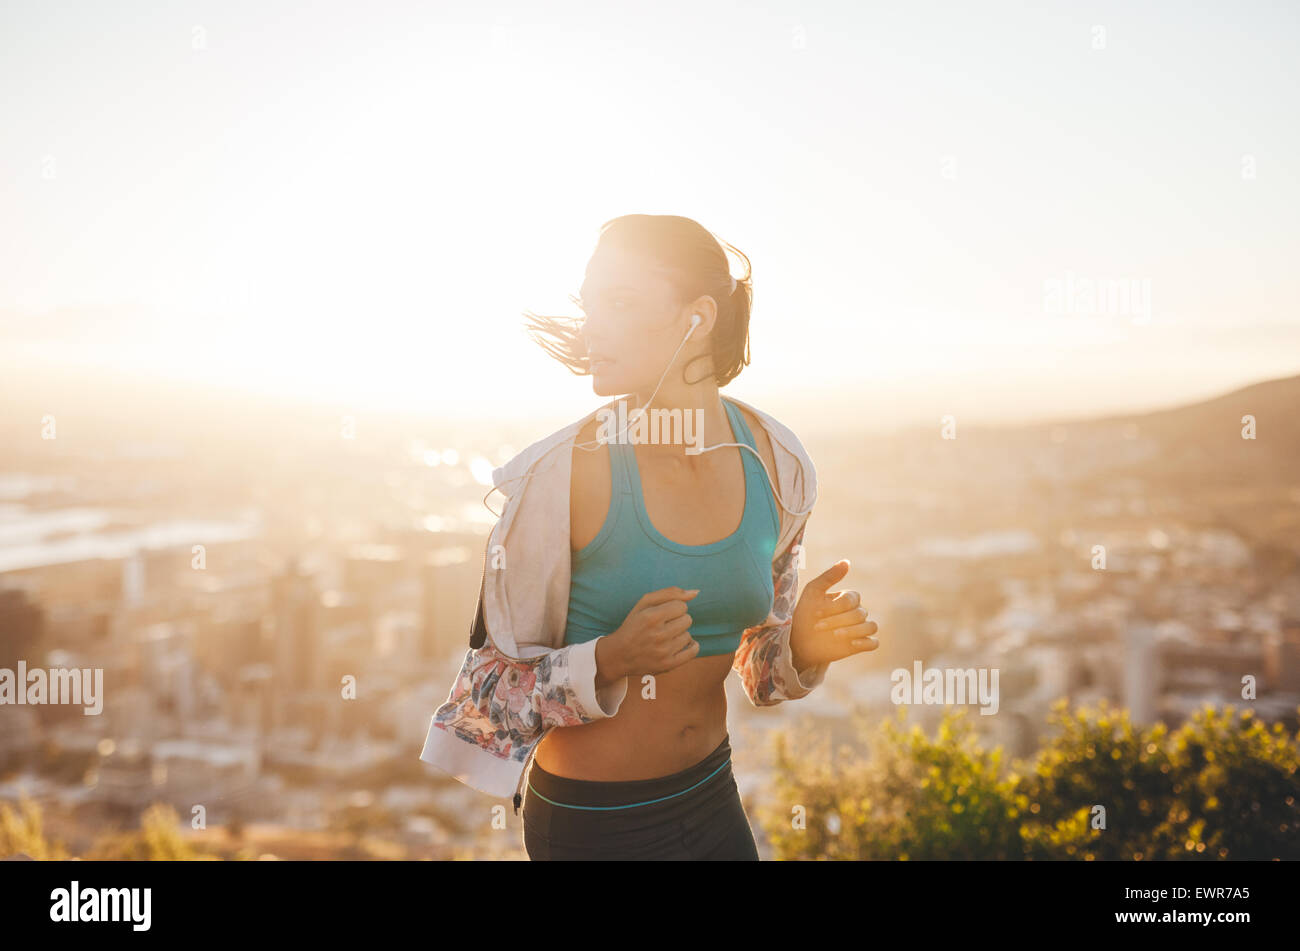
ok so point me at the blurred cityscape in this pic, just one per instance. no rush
(230, 569)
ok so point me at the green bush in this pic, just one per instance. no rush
(1099, 759)
(22, 832)
(158, 839)
(913, 798)
(1221, 786)
(1241, 785)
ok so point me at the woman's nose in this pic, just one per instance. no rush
(590, 334)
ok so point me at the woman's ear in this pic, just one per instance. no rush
(707, 308)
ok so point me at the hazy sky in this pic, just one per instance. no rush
(356, 201)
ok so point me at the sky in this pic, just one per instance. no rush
(356, 203)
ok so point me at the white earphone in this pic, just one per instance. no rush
(696, 320)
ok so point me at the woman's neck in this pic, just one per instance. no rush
(698, 405)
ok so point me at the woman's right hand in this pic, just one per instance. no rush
(655, 636)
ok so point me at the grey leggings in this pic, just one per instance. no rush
(692, 815)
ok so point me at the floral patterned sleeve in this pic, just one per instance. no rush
(763, 658)
(503, 704)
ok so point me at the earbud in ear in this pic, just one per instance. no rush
(696, 320)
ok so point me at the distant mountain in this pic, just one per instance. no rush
(1185, 447)
(1202, 441)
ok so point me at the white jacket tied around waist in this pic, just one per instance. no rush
(522, 681)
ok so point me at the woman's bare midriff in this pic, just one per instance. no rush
(646, 739)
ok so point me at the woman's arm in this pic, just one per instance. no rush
(503, 704)
(764, 660)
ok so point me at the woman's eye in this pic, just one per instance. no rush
(614, 301)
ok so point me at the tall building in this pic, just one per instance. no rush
(133, 574)
(249, 700)
(1282, 659)
(905, 633)
(22, 622)
(1141, 672)
(295, 606)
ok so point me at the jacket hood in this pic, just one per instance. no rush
(509, 477)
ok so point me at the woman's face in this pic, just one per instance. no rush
(633, 324)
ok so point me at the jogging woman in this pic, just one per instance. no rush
(686, 540)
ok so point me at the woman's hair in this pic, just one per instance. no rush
(696, 264)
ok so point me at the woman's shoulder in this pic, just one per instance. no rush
(767, 429)
(543, 453)
(588, 453)
(589, 470)
(758, 431)
(783, 451)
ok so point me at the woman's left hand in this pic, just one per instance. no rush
(829, 626)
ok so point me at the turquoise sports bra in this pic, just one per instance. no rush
(629, 558)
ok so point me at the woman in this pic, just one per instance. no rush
(672, 556)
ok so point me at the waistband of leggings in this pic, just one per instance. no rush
(622, 794)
